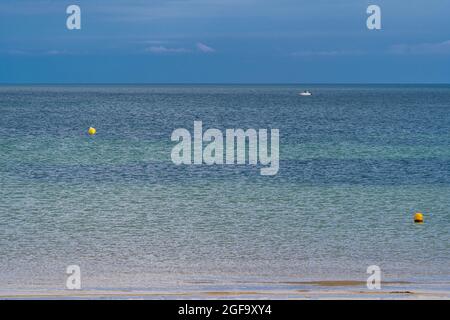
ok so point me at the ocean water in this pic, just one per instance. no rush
(356, 162)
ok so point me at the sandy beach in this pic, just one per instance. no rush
(317, 290)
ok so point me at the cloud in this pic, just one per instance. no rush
(163, 50)
(18, 52)
(55, 52)
(421, 48)
(204, 48)
(326, 53)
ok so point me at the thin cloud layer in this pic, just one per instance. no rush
(163, 49)
(422, 48)
(326, 53)
(204, 48)
(160, 49)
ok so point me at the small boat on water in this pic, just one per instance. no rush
(305, 93)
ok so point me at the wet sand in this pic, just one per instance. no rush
(327, 289)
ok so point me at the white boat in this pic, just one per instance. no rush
(305, 93)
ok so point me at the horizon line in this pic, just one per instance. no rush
(223, 83)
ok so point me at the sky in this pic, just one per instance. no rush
(225, 41)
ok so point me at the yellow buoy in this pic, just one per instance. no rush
(418, 217)
(92, 131)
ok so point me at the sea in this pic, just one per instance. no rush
(355, 163)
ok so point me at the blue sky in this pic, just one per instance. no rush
(224, 41)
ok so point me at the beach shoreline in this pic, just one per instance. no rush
(302, 290)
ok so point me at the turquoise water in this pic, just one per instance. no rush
(355, 163)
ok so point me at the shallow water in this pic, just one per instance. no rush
(355, 163)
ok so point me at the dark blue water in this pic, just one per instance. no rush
(356, 162)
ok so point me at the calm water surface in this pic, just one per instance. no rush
(355, 163)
